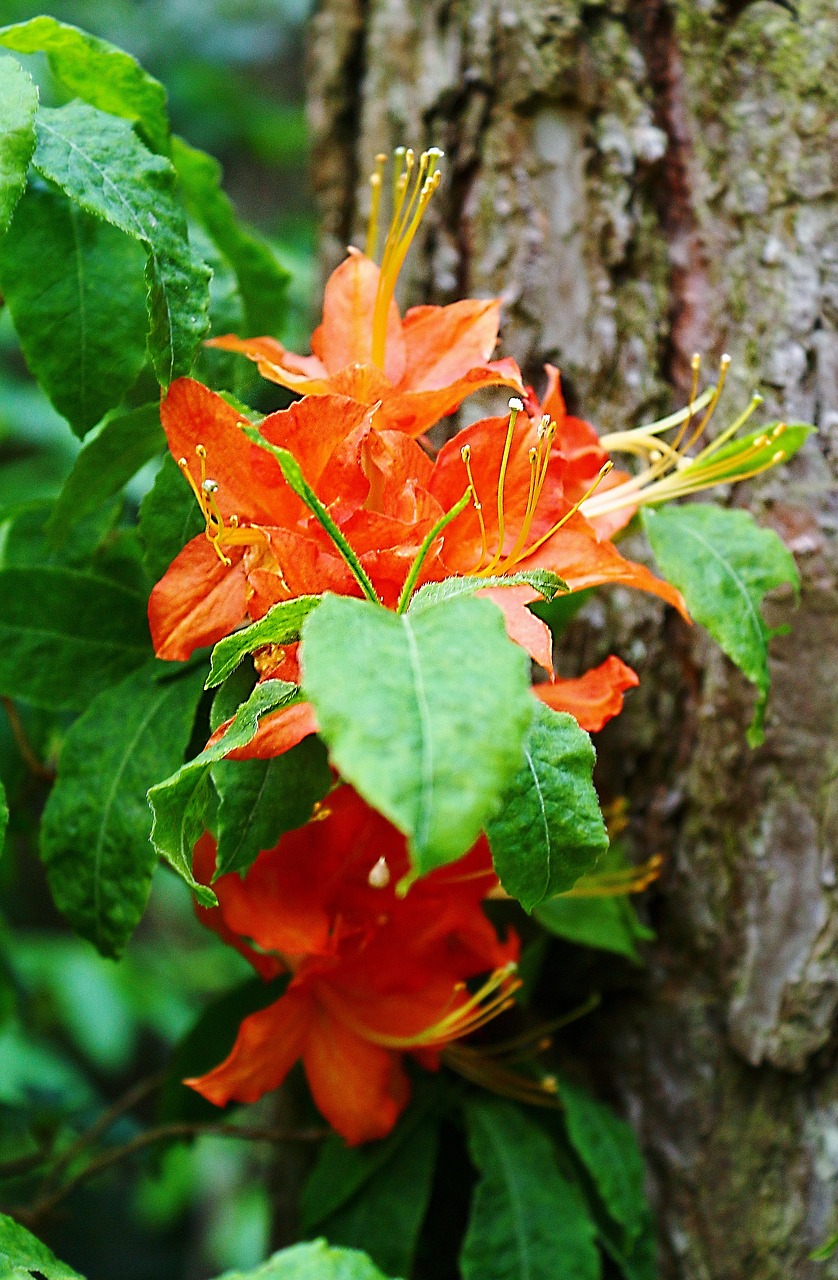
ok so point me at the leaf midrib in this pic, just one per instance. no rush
(739, 582)
(98, 848)
(141, 234)
(425, 815)
(518, 1212)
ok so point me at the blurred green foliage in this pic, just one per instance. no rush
(77, 1031)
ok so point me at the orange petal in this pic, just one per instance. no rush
(267, 1046)
(443, 343)
(298, 373)
(203, 867)
(577, 555)
(359, 1087)
(277, 733)
(196, 602)
(313, 429)
(248, 479)
(417, 411)
(522, 626)
(345, 336)
(594, 698)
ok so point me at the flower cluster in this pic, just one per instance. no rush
(373, 975)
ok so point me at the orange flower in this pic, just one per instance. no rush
(374, 976)
(415, 370)
(261, 543)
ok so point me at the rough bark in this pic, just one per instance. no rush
(638, 181)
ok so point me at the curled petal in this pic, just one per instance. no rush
(593, 698)
(196, 602)
(267, 1046)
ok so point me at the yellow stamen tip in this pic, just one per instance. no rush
(200, 450)
(465, 453)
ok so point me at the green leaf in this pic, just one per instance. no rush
(96, 826)
(80, 317)
(724, 564)
(22, 1253)
(550, 830)
(180, 804)
(280, 625)
(314, 1261)
(4, 816)
(101, 164)
(96, 71)
(385, 1217)
(607, 1147)
(424, 715)
(263, 281)
(549, 584)
(528, 1222)
(610, 924)
(108, 460)
(25, 544)
(65, 636)
(18, 104)
(825, 1250)
(341, 1172)
(259, 800)
(169, 518)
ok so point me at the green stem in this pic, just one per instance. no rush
(410, 580)
(297, 481)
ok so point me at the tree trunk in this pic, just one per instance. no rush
(640, 180)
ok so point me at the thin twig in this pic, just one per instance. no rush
(24, 745)
(180, 1129)
(130, 1099)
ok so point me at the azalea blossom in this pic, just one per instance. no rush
(373, 976)
(261, 543)
(414, 370)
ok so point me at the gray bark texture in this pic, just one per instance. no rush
(638, 181)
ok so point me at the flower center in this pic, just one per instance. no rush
(539, 460)
(218, 533)
(413, 186)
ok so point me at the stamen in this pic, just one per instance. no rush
(492, 998)
(624, 880)
(577, 506)
(516, 406)
(465, 454)
(215, 531)
(376, 180)
(724, 365)
(472, 1064)
(409, 205)
(539, 462)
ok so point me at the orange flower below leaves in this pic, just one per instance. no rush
(372, 976)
